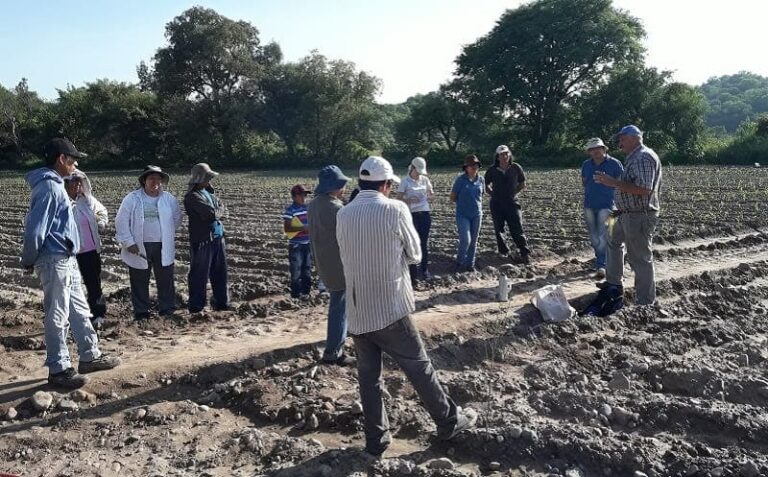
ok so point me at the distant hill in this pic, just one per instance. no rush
(734, 98)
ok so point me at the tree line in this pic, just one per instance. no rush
(548, 75)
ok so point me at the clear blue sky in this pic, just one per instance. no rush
(409, 44)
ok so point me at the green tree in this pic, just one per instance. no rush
(733, 99)
(22, 117)
(215, 63)
(671, 114)
(323, 110)
(114, 122)
(445, 117)
(542, 54)
(624, 98)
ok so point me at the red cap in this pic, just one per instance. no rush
(300, 189)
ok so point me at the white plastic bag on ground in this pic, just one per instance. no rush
(551, 302)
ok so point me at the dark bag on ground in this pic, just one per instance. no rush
(608, 300)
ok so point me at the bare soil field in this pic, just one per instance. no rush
(678, 389)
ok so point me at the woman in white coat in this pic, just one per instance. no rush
(146, 224)
(92, 218)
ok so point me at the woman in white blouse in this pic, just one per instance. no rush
(416, 191)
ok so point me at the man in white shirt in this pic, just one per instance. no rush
(377, 242)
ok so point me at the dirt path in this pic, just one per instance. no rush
(441, 311)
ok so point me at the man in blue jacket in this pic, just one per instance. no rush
(51, 241)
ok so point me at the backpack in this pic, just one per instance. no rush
(609, 300)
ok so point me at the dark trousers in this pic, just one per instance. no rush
(208, 261)
(401, 341)
(300, 265)
(89, 264)
(509, 215)
(422, 222)
(166, 291)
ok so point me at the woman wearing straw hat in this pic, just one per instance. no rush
(145, 227)
(416, 191)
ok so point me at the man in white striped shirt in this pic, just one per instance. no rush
(377, 242)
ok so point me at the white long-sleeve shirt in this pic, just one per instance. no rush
(129, 228)
(377, 242)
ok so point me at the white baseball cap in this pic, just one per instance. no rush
(503, 148)
(375, 168)
(595, 142)
(420, 165)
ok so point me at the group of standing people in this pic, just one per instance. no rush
(62, 244)
(364, 252)
(368, 254)
(504, 180)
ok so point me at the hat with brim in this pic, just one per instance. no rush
(375, 169)
(420, 164)
(630, 130)
(299, 189)
(164, 177)
(329, 179)
(471, 160)
(59, 145)
(201, 173)
(594, 143)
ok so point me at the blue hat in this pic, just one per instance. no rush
(330, 178)
(630, 130)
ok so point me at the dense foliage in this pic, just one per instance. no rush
(550, 74)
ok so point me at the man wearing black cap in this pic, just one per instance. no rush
(51, 241)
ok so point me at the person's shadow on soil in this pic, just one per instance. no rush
(7, 395)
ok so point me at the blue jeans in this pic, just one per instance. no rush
(65, 308)
(300, 265)
(337, 326)
(208, 261)
(597, 220)
(469, 229)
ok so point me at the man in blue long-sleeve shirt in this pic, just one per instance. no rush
(51, 241)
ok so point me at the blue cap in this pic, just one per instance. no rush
(630, 130)
(330, 178)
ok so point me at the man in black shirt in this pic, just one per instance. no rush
(504, 180)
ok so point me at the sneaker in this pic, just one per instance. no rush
(98, 323)
(101, 363)
(68, 379)
(465, 419)
(600, 273)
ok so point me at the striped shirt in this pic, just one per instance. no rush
(642, 168)
(297, 214)
(377, 242)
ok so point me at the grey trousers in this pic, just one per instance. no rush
(166, 290)
(634, 232)
(401, 341)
